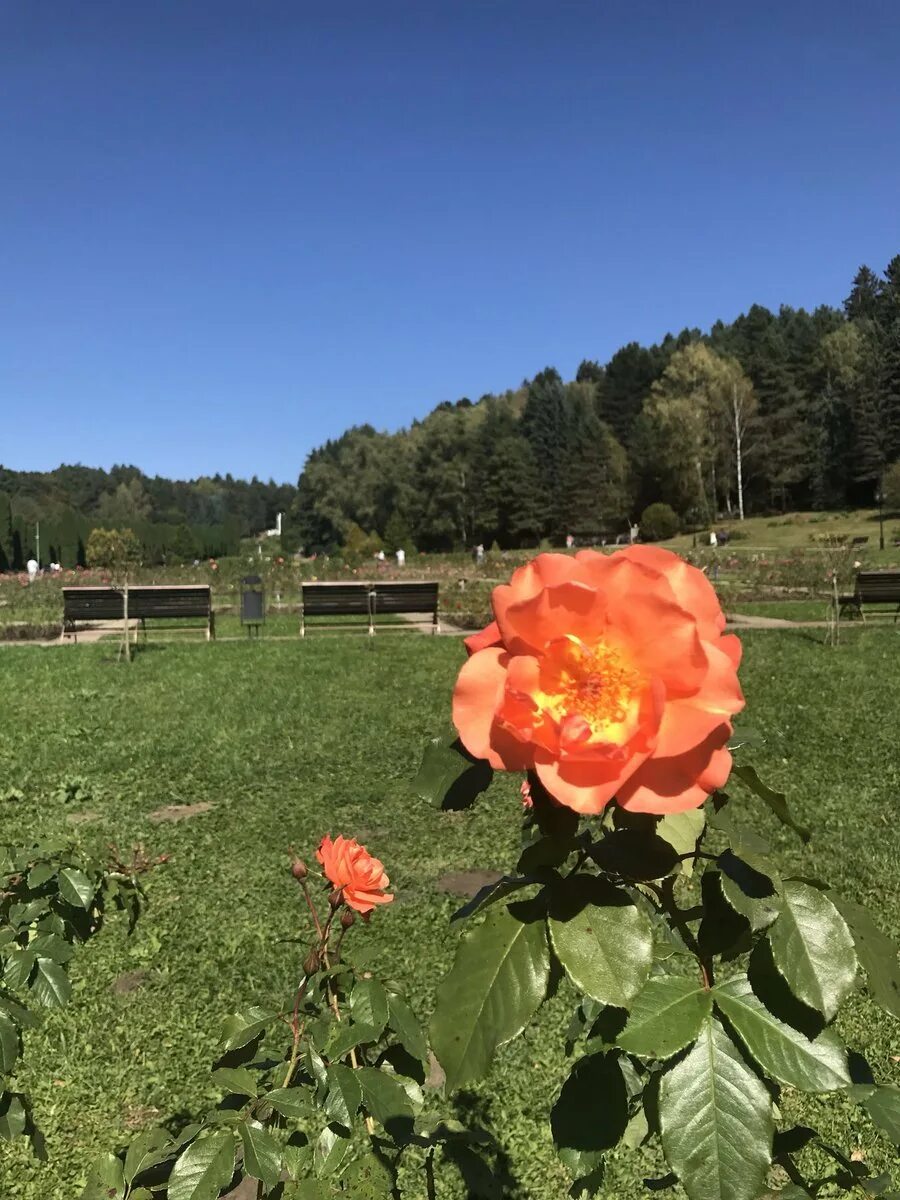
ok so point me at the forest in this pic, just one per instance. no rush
(774, 411)
(174, 521)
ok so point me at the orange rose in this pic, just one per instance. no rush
(352, 869)
(609, 677)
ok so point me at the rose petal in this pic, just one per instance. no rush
(679, 782)
(489, 636)
(476, 699)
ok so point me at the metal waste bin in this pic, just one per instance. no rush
(253, 604)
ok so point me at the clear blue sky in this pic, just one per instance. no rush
(229, 231)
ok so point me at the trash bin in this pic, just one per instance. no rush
(253, 604)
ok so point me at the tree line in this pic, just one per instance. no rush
(773, 411)
(173, 520)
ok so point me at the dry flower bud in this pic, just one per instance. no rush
(298, 869)
(311, 962)
(347, 919)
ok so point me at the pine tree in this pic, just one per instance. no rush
(544, 426)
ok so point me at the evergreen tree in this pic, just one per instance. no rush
(544, 426)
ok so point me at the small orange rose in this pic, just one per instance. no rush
(352, 869)
(608, 676)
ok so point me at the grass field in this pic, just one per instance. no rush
(288, 740)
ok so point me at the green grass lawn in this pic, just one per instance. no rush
(287, 740)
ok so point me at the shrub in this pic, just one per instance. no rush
(659, 522)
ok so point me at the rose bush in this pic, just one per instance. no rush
(608, 676)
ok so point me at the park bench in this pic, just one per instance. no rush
(165, 601)
(372, 600)
(859, 541)
(872, 587)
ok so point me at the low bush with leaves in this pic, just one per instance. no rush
(323, 1098)
(708, 982)
(52, 898)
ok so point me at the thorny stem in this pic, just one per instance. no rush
(312, 908)
(322, 949)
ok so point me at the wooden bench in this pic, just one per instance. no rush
(164, 601)
(872, 587)
(859, 541)
(383, 598)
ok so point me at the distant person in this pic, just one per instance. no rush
(380, 556)
(32, 567)
(479, 553)
(401, 558)
(634, 532)
(570, 541)
(713, 540)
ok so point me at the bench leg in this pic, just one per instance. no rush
(211, 627)
(302, 625)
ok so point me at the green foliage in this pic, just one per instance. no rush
(324, 1094)
(115, 549)
(52, 898)
(658, 522)
(668, 1051)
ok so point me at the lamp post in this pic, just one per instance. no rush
(879, 498)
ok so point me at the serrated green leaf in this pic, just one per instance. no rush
(591, 1113)
(387, 1099)
(40, 874)
(236, 1080)
(491, 893)
(667, 1015)
(348, 1035)
(13, 1117)
(290, 1102)
(331, 1150)
(148, 1149)
(407, 1027)
(716, 1121)
(19, 965)
(106, 1179)
(775, 801)
(497, 982)
(782, 1051)
(813, 949)
(9, 1043)
(344, 1094)
(203, 1169)
(369, 1005)
(369, 1178)
(634, 854)
(682, 831)
(50, 985)
(751, 893)
(315, 1065)
(743, 841)
(877, 953)
(262, 1154)
(882, 1103)
(75, 888)
(51, 945)
(602, 939)
(242, 1027)
(449, 776)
